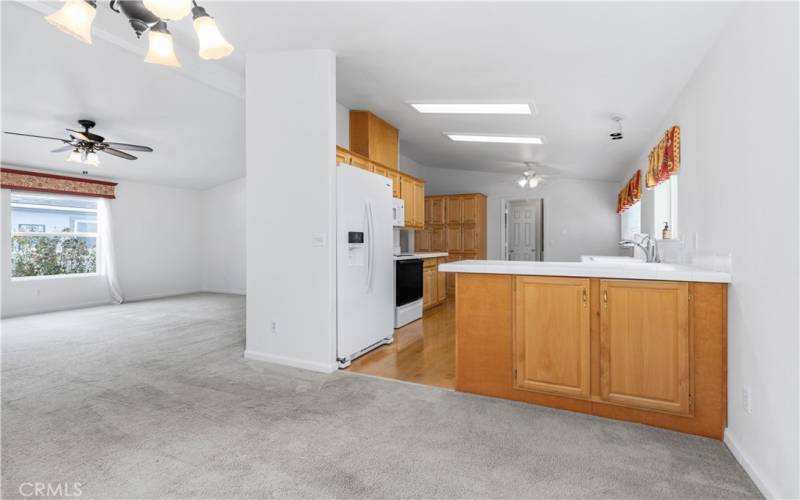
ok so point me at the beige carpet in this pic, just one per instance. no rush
(153, 400)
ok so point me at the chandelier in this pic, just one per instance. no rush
(147, 16)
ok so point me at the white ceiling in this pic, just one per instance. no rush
(578, 62)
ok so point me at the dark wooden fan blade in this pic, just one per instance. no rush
(37, 136)
(117, 152)
(129, 147)
(63, 148)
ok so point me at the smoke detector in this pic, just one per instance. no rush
(616, 128)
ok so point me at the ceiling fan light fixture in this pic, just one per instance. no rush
(171, 10)
(161, 49)
(212, 44)
(522, 182)
(533, 182)
(75, 156)
(75, 18)
(92, 159)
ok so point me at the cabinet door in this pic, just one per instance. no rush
(551, 335)
(422, 240)
(469, 238)
(645, 344)
(427, 212)
(453, 238)
(451, 277)
(437, 210)
(395, 177)
(407, 194)
(441, 282)
(438, 239)
(454, 206)
(419, 203)
(429, 281)
(469, 210)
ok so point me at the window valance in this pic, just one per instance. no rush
(664, 160)
(630, 193)
(51, 183)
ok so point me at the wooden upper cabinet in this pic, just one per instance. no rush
(419, 203)
(469, 238)
(454, 242)
(342, 155)
(438, 239)
(374, 138)
(422, 240)
(437, 211)
(379, 170)
(552, 336)
(469, 210)
(427, 212)
(645, 344)
(454, 208)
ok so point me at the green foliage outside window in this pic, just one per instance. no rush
(51, 255)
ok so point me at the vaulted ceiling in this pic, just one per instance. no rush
(578, 62)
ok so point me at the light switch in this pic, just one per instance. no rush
(319, 239)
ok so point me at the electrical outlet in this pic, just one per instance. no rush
(747, 400)
(274, 327)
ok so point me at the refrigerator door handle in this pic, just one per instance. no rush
(370, 246)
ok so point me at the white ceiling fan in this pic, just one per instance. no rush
(534, 174)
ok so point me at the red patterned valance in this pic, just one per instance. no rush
(630, 193)
(50, 183)
(664, 160)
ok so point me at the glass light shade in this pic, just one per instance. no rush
(92, 159)
(161, 50)
(533, 182)
(171, 10)
(212, 44)
(74, 18)
(522, 182)
(75, 156)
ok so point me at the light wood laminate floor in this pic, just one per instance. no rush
(423, 351)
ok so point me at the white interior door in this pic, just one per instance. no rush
(522, 230)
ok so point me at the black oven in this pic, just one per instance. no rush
(408, 281)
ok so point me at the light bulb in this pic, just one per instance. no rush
(74, 18)
(171, 10)
(533, 182)
(92, 159)
(161, 50)
(75, 156)
(212, 44)
(522, 182)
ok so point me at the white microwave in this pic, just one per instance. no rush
(398, 212)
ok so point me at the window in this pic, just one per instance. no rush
(631, 221)
(665, 206)
(52, 235)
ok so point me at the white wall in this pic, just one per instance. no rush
(738, 191)
(342, 126)
(156, 232)
(223, 243)
(291, 108)
(579, 216)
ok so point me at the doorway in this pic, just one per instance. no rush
(523, 234)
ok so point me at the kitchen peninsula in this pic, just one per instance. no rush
(636, 341)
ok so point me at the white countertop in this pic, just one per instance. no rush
(635, 271)
(421, 255)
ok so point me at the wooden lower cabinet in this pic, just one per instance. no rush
(551, 335)
(645, 344)
(433, 283)
(652, 352)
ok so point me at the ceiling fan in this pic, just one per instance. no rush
(533, 175)
(85, 145)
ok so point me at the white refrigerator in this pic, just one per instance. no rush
(364, 277)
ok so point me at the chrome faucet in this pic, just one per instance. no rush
(647, 245)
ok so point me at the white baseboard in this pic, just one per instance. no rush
(288, 361)
(65, 307)
(159, 295)
(768, 490)
(224, 290)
